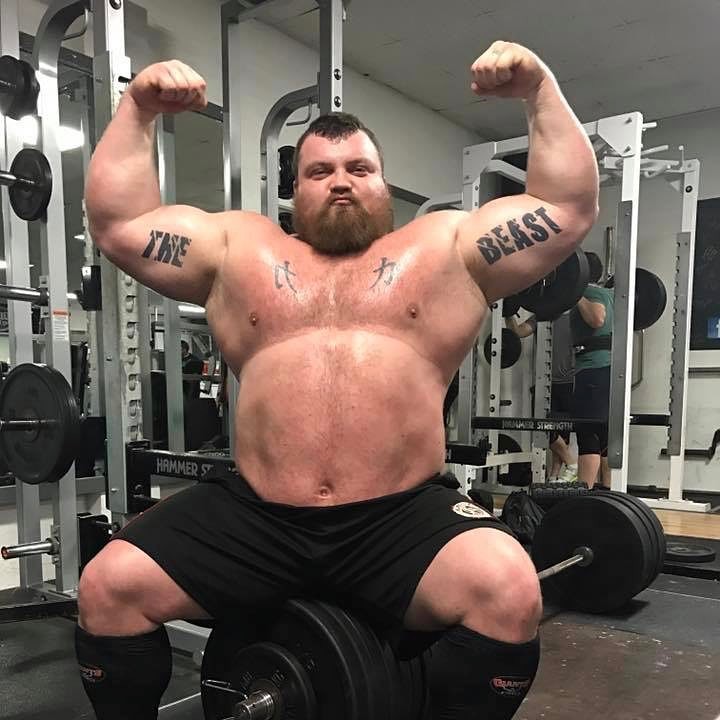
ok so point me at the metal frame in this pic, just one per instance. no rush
(55, 343)
(622, 134)
(15, 234)
(165, 135)
(689, 175)
(119, 371)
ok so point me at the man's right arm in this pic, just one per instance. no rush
(176, 250)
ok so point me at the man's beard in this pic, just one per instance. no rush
(342, 229)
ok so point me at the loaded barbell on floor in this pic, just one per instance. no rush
(19, 88)
(310, 660)
(618, 551)
(39, 423)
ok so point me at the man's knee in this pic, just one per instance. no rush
(514, 602)
(110, 591)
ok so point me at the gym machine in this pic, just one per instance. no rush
(36, 192)
(617, 140)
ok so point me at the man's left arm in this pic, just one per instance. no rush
(510, 243)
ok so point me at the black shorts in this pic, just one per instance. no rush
(591, 399)
(561, 395)
(228, 549)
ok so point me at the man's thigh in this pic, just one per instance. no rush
(219, 545)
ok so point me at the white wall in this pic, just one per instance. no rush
(659, 219)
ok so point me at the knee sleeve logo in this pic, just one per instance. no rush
(92, 674)
(470, 510)
(511, 686)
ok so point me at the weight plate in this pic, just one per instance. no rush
(680, 552)
(227, 639)
(26, 102)
(46, 454)
(30, 202)
(511, 348)
(286, 155)
(518, 474)
(657, 533)
(652, 555)
(329, 653)
(650, 299)
(19, 88)
(451, 396)
(558, 291)
(378, 669)
(619, 542)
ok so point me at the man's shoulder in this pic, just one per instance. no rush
(434, 225)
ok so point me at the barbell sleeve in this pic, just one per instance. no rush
(7, 178)
(49, 547)
(258, 706)
(37, 297)
(583, 556)
(25, 424)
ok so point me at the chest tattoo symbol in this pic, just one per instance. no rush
(284, 270)
(385, 266)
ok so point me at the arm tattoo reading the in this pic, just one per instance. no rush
(166, 248)
(385, 266)
(283, 272)
(513, 236)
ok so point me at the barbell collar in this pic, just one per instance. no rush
(258, 706)
(47, 547)
(583, 557)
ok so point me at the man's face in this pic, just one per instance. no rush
(342, 203)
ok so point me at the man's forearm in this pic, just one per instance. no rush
(561, 162)
(592, 313)
(122, 181)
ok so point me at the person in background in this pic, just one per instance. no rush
(591, 324)
(191, 365)
(564, 463)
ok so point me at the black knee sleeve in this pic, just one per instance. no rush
(473, 676)
(124, 677)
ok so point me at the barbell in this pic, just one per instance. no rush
(39, 423)
(313, 661)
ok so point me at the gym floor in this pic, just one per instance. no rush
(659, 658)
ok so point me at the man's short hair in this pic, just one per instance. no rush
(336, 126)
(184, 345)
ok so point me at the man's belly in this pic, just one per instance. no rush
(334, 417)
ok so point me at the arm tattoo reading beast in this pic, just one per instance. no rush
(171, 248)
(495, 245)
